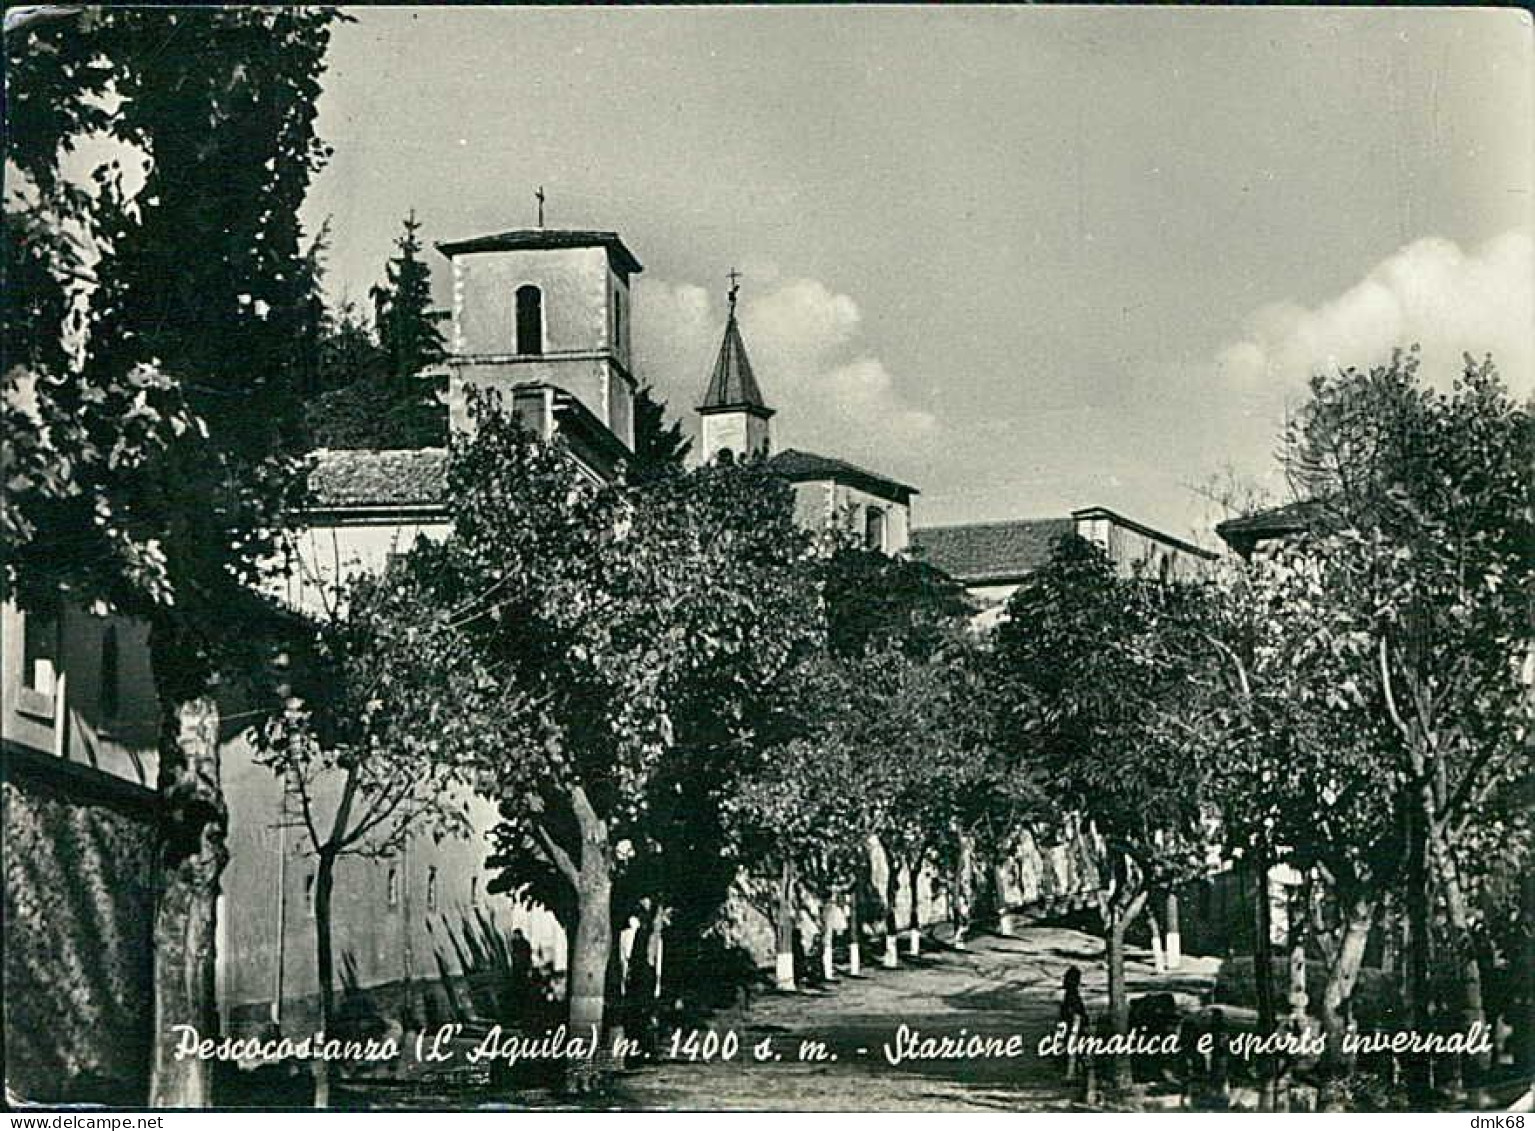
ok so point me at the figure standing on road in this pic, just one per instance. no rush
(522, 976)
(1073, 1019)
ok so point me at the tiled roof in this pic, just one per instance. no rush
(363, 478)
(733, 385)
(797, 466)
(991, 551)
(539, 239)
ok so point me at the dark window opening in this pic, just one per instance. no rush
(530, 320)
(394, 887)
(874, 528)
(110, 694)
(431, 888)
(40, 652)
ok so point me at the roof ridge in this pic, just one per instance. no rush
(999, 522)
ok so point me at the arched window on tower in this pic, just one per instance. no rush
(530, 320)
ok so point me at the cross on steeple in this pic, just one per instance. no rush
(735, 287)
(539, 196)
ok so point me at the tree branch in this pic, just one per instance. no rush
(557, 855)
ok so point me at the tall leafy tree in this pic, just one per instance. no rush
(1423, 545)
(360, 749)
(1081, 668)
(611, 614)
(198, 278)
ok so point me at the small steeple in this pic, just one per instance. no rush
(734, 414)
(733, 385)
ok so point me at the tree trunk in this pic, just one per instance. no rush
(828, 932)
(959, 900)
(784, 962)
(854, 934)
(192, 857)
(1171, 938)
(914, 934)
(892, 928)
(1116, 920)
(593, 942)
(1299, 916)
(324, 885)
(1473, 1011)
(1263, 931)
(1360, 914)
(1263, 977)
(1418, 1067)
(1004, 916)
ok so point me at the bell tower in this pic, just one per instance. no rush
(545, 308)
(733, 416)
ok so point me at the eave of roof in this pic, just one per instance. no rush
(1287, 519)
(799, 467)
(1142, 528)
(535, 239)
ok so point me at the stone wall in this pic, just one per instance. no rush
(79, 917)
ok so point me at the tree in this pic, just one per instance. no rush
(611, 613)
(1080, 666)
(361, 755)
(199, 278)
(660, 446)
(897, 626)
(1423, 541)
(375, 394)
(402, 311)
(873, 599)
(809, 813)
(1295, 764)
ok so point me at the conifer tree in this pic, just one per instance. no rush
(402, 307)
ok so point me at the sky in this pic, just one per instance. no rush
(1025, 259)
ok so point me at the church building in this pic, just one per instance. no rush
(543, 316)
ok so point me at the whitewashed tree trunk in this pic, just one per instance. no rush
(828, 933)
(1158, 955)
(783, 972)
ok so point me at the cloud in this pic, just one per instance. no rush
(1430, 292)
(832, 394)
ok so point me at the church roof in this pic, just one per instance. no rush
(997, 552)
(798, 467)
(540, 239)
(732, 385)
